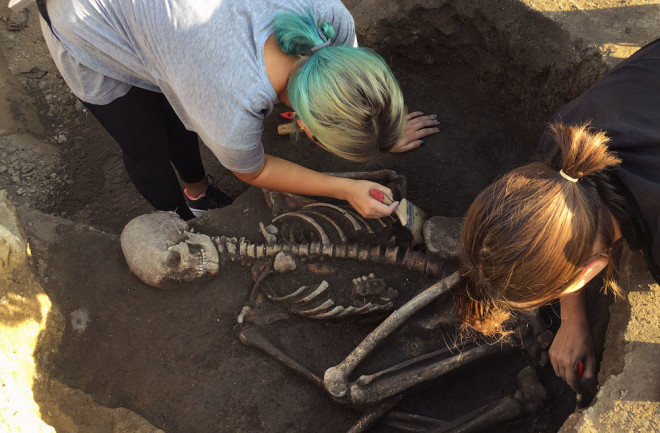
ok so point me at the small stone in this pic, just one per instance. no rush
(61, 138)
(3, 168)
(79, 320)
(268, 235)
(442, 235)
(17, 20)
(20, 191)
(272, 229)
(36, 73)
(284, 262)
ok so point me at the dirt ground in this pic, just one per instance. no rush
(492, 75)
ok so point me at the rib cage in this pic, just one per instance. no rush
(312, 301)
(329, 224)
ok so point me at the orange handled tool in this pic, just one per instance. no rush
(578, 396)
(380, 196)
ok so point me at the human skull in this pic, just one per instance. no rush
(161, 250)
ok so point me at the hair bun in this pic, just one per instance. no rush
(327, 30)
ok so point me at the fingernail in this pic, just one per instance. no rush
(422, 143)
(434, 116)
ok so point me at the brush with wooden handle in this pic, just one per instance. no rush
(286, 128)
(411, 216)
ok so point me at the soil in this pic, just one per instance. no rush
(173, 356)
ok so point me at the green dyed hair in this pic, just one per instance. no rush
(347, 96)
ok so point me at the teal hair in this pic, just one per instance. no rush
(346, 96)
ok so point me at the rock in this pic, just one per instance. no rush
(36, 73)
(79, 320)
(80, 106)
(442, 236)
(284, 262)
(268, 233)
(17, 20)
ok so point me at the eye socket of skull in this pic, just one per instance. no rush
(173, 259)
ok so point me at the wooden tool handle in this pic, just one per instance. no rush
(286, 128)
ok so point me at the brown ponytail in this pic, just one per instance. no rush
(529, 234)
(584, 152)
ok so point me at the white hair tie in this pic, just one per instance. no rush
(567, 177)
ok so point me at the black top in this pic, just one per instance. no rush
(625, 104)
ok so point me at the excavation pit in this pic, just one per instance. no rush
(492, 73)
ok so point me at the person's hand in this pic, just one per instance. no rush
(573, 344)
(359, 197)
(418, 126)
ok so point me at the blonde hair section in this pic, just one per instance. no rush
(347, 96)
(352, 104)
(530, 234)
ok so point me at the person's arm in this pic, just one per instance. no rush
(281, 175)
(573, 342)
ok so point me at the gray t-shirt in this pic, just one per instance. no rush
(205, 56)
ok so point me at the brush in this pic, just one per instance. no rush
(411, 216)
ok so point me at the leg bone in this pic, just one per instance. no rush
(371, 418)
(336, 378)
(409, 377)
(250, 336)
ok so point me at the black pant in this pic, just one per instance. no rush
(152, 139)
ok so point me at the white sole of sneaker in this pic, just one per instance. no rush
(197, 212)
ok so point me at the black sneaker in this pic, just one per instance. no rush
(212, 198)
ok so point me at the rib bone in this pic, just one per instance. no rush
(309, 220)
(336, 378)
(349, 216)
